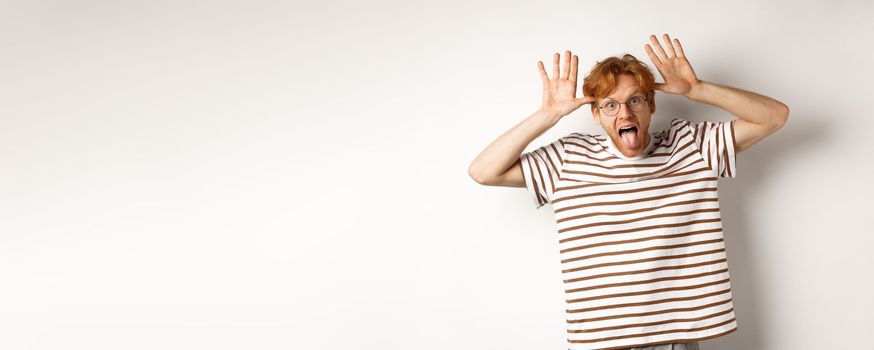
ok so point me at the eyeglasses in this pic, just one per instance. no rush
(611, 108)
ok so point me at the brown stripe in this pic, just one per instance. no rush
(649, 313)
(709, 139)
(672, 341)
(638, 229)
(590, 157)
(665, 215)
(587, 148)
(647, 324)
(630, 262)
(654, 333)
(546, 157)
(609, 285)
(542, 183)
(635, 190)
(558, 153)
(699, 200)
(733, 138)
(620, 166)
(633, 272)
(681, 168)
(646, 292)
(575, 269)
(651, 302)
(531, 181)
(672, 140)
(703, 169)
(639, 250)
(685, 234)
(718, 146)
(729, 160)
(666, 168)
(583, 138)
(729, 143)
(549, 173)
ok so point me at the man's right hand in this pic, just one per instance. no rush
(498, 164)
(560, 91)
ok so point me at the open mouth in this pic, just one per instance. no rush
(628, 135)
(628, 129)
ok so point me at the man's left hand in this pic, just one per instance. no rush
(675, 69)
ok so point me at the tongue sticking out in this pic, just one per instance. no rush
(629, 138)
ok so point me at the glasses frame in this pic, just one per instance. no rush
(601, 106)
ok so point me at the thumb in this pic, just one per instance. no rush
(581, 101)
(660, 86)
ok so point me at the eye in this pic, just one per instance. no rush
(611, 105)
(635, 100)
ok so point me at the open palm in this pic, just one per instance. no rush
(675, 69)
(560, 91)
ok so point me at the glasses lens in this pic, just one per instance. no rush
(635, 103)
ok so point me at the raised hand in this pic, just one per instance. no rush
(675, 69)
(560, 92)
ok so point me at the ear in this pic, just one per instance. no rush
(652, 105)
(596, 115)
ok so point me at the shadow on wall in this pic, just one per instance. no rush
(755, 168)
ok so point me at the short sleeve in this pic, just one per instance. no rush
(541, 169)
(715, 141)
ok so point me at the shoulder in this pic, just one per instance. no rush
(680, 123)
(681, 127)
(582, 141)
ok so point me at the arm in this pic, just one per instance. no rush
(498, 164)
(758, 116)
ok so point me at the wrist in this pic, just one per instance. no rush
(549, 117)
(695, 91)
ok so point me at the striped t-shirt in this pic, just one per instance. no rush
(640, 239)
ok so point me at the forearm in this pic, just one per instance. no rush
(500, 155)
(749, 106)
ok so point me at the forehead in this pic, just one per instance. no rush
(625, 87)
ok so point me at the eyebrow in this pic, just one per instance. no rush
(632, 94)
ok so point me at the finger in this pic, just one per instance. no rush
(669, 46)
(567, 64)
(543, 75)
(658, 47)
(555, 65)
(575, 62)
(660, 86)
(680, 52)
(652, 56)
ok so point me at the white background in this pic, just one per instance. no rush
(282, 175)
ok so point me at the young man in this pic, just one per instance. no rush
(639, 229)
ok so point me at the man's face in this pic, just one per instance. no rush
(634, 138)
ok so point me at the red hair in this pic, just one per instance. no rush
(601, 80)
